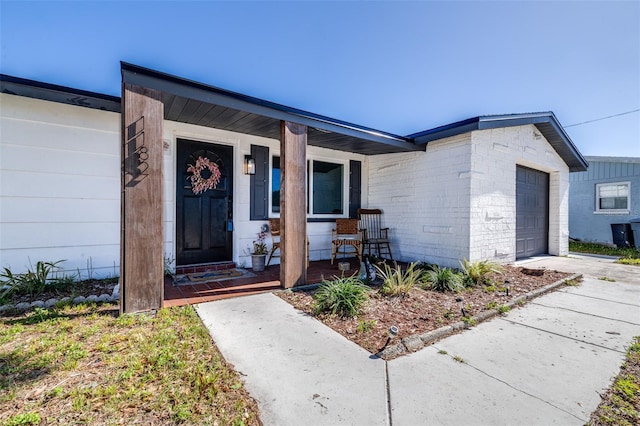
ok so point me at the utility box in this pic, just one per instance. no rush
(635, 228)
(623, 234)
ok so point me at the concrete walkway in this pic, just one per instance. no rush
(542, 364)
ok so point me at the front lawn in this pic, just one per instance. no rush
(628, 256)
(620, 405)
(85, 365)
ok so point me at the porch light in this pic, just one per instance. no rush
(249, 165)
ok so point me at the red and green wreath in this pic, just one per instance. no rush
(200, 184)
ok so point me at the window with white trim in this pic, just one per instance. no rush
(613, 197)
(325, 187)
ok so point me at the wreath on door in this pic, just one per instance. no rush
(200, 184)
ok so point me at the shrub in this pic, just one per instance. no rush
(443, 279)
(476, 272)
(343, 296)
(32, 282)
(398, 283)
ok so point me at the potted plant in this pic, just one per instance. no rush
(259, 252)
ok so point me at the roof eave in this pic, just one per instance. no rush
(55, 93)
(145, 77)
(545, 122)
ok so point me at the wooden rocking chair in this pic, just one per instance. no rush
(346, 234)
(374, 235)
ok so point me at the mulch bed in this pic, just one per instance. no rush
(421, 310)
(81, 288)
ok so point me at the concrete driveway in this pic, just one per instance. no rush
(542, 364)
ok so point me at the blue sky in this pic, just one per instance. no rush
(400, 67)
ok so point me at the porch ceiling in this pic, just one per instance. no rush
(190, 102)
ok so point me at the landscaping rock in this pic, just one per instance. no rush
(116, 290)
(433, 335)
(413, 343)
(37, 304)
(50, 302)
(104, 298)
(392, 351)
(22, 306)
(6, 308)
(92, 299)
(485, 315)
(78, 299)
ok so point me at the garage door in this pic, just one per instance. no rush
(532, 212)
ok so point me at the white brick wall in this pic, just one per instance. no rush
(495, 155)
(425, 200)
(457, 200)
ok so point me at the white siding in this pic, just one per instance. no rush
(59, 186)
(245, 230)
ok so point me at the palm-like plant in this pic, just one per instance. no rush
(343, 296)
(443, 279)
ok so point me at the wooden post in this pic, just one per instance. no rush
(141, 238)
(293, 211)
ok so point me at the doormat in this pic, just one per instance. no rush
(202, 277)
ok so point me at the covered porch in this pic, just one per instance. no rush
(150, 101)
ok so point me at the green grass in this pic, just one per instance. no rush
(621, 403)
(629, 261)
(84, 365)
(595, 248)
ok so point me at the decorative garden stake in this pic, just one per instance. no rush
(460, 301)
(506, 283)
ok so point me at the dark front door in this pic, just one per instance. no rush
(203, 219)
(532, 212)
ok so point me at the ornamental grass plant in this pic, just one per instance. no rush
(475, 273)
(396, 282)
(442, 280)
(343, 296)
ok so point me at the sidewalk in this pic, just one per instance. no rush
(542, 364)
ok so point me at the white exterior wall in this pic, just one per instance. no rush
(59, 186)
(60, 190)
(245, 230)
(457, 200)
(425, 200)
(495, 154)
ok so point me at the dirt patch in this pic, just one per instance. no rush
(421, 311)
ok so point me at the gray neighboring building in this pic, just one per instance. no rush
(607, 193)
